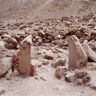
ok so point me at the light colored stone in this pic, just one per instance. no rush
(36, 63)
(5, 66)
(77, 56)
(2, 44)
(90, 53)
(6, 36)
(33, 53)
(69, 77)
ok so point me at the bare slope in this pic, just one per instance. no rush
(46, 8)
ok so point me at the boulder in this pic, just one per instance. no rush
(77, 55)
(5, 66)
(90, 53)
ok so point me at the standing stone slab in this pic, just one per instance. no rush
(25, 66)
(77, 56)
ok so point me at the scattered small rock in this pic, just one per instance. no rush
(11, 43)
(2, 92)
(59, 63)
(69, 77)
(60, 71)
(49, 55)
(92, 86)
(82, 77)
(78, 77)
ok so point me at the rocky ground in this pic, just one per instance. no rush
(50, 54)
(46, 8)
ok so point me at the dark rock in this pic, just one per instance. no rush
(59, 63)
(48, 57)
(60, 72)
(82, 77)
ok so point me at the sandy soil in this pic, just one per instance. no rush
(52, 86)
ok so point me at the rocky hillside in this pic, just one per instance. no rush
(46, 8)
(45, 56)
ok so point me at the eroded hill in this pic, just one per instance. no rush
(46, 8)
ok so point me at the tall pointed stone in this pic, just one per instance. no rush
(77, 56)
(25, 66)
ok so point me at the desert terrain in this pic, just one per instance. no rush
(47, 47)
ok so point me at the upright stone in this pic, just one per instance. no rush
(77, 56)
(25, 66)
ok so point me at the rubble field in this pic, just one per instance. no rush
(47, 47)
(45, 57)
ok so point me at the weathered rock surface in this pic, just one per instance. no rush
(49, 46)
(82, 77)
(90, 53)
(2, 44)
(77, 55)
(25, 66)
(11, 43)
(78, 77)
(60, 72)
(69, 77)
(5, 66)
(92, 86)
(49, 55)
(33, 53)
(59, 63)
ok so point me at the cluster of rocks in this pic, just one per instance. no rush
(54, 31)
(70, 34)
(21, 61)
(11, 41)
(79, 56)
(78, 77)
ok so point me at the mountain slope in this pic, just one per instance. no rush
(46, 8)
